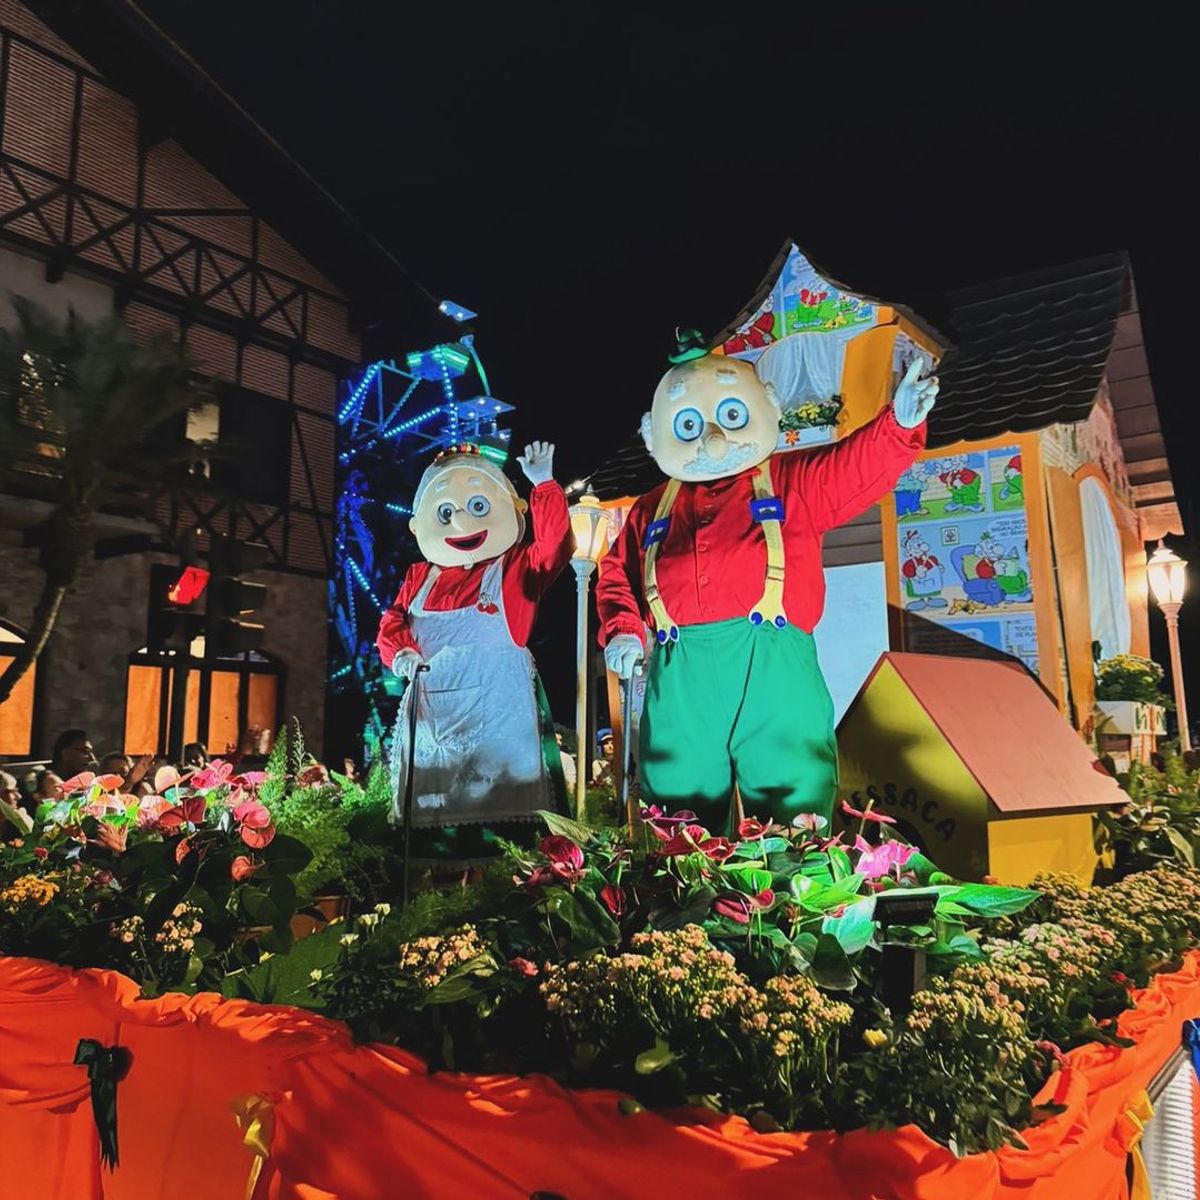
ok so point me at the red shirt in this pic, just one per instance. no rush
(712, 565)
(529, 569)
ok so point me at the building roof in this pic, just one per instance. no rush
(1007, 732)
(178, 99)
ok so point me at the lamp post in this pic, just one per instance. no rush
(589, 524)
(1168, 582)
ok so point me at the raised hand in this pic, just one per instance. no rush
(538, 462)
(914, 396)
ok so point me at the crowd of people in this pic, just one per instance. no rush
(75, 753)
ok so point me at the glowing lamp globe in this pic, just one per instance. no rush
(1168, 576)
(589, 524)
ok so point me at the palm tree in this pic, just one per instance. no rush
(79, 402)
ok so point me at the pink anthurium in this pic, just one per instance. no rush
(79, 783)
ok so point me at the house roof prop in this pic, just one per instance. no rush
(1027, 352)
(976, 764)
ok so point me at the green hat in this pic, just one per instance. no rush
(688, 345)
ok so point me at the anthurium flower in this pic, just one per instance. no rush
(79, 783)
(181, 850)
(165, 777)
(191, 811)
(257, 838)
(613, 899)
(523, 966)
(250, 779)
(876, 861)
(811, 821)
(751, 829)
(867, 815)
(216, 774)
(559, 849)
(689, 839)
(252, 813)
(242, 868)
(150, 808)
(663, 825)
(738, 907)
(109, 783)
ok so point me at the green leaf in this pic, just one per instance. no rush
(695, 908)
(990, 900)
(750, 880)
(1183, 846)
(577, 831)
(830, 967)
(649, 1062)
(194, 967)
(259, 906)
(855, 928)
(287, 854)
(839, 862)
(821, 899)
(588, 921)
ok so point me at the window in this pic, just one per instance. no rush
(16, 713)
(256, 442)
(227, 702)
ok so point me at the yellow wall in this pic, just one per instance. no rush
(1019, 848)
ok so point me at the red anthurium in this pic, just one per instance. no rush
(253, 814)
(164, 778)
(181, 850)
(868, 815)
(751, 828)
(718, 849)
(614, 899)
(79, 783)
(562, 850)
(109, 783)
(242, 868)
(258, 838)
(250, 779)
(214, 775)
(736, 908)
(40, 852)
(523, 966)
(663, 825)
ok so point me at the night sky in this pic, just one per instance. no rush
(587, 176)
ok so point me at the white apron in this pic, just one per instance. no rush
(478, 745)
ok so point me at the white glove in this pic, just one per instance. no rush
(914, 397)
(538, 462)
(623, 653)
(405, 664)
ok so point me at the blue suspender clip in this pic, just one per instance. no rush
(769, 508)
(656, 532)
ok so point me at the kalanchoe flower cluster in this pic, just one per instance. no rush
(128, 930)
(179, 931)
(28, 891)
(427, 961)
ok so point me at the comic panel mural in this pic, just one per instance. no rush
(963, 553)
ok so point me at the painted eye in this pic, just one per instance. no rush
(479, 506)
(732, 414)
(689, 424)
(445, 512)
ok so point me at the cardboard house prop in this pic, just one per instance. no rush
(976, 765)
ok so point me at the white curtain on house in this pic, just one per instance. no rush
(806, 366)
(1105, 570)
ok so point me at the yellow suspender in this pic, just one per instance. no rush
(665, 628)
(767, 511)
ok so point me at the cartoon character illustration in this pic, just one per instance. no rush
(758, 335)
(1004, 566)
(734, 693)
(908, 491)
(963, 484)
(480, 762)
(922, 574)
(1014, 482)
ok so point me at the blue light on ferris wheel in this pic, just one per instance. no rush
(456, 312)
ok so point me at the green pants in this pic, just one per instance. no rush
(732, 702)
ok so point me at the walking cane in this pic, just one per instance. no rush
(410, 781)
(627, 743)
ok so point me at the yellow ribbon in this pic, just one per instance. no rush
(1138, 1113)
(255, 1117)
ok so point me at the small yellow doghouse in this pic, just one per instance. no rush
(976, 765)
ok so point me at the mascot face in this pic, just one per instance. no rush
(711, 417)
(466, 512)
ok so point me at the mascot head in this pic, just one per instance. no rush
(711, 415)
(465, 511)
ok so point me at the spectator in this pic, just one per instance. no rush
(11, 795)
(49, 786)
(602, 767)
(195, 756)
(116, 762)
(568, 765)
(73, 753)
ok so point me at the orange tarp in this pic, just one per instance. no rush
(362, 1123)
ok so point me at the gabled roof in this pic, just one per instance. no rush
(179, 100)
(1007, 732)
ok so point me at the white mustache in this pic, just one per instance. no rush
(738, 455)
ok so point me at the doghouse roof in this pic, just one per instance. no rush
(1007, 732)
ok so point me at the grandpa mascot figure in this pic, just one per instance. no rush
(723, 562)
(485, 757)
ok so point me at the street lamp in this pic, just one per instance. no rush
(589, 524)
(1168, 582)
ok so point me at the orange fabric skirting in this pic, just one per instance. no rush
(364, 1123)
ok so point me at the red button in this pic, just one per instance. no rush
(702, 546)
(704, 579)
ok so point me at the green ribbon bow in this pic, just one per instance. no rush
(106, 1067)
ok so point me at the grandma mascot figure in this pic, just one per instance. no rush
(723, 562)
(485, 760)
